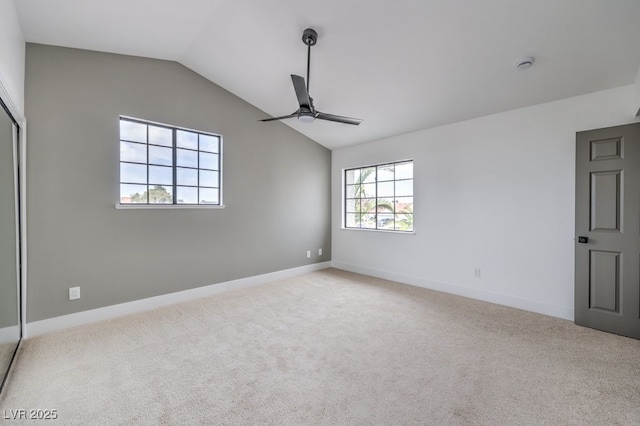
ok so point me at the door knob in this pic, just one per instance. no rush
(583, 240)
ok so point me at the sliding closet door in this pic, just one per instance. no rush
(9, 246)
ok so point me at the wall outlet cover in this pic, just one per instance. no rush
(74, 293)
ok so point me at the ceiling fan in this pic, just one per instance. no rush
(306, 112)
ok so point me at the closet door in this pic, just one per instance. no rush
(10, 332)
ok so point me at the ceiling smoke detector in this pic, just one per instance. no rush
(524, 63)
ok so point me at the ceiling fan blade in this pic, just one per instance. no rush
(295, 114)
(301, 91)
(338, 118)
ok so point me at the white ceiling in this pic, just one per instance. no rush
(400, 65)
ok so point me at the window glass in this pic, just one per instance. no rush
(209, 143)
(187, 195)
(133, 173)
(208, 196)
(133, 152)
(131, 131)
(187, 139)
(160, 194)
(160, 136)
(208, 178)
(134, 194)
(161, 156)
(208, 161)
(160, 175)
(187, 176)
(187, 158)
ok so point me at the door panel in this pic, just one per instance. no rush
(607, 261)
(605, 200)
(606, 149)
(604, 281)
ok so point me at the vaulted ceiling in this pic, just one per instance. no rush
(400, 65)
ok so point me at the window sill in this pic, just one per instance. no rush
(383, 231)
(168, 206)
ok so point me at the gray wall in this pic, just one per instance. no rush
(276, 185)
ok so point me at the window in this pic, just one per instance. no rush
(379, 197)
(160, 164)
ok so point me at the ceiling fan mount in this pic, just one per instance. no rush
(310, 37)
(306, 112)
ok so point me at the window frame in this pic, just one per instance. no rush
(376, 203)
(174, 167)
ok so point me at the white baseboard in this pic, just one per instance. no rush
(563, 312)
(37, 328)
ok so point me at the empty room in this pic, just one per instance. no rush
(340, 212)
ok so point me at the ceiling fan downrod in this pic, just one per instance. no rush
(310, 38)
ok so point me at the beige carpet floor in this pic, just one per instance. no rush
(6, 354)
(330, 348)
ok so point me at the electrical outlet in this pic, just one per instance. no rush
(477, 272)
(74, 293)
(319, 252)
(308, 254)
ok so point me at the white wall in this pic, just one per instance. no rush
(12, 48)
(495, 193)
